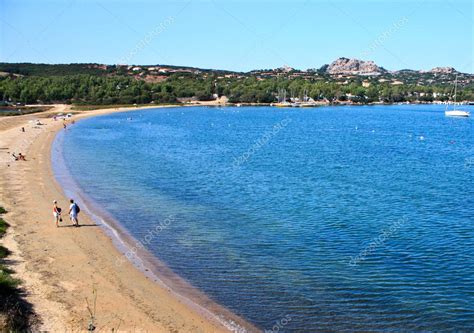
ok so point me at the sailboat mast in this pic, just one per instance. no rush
(454, 112)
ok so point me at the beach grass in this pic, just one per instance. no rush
(14, 310)
(8, 284)
(24, 110)
(4, 252)
(3, 227)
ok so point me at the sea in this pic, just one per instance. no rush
(338, 218)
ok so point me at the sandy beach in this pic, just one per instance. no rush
(61, 267)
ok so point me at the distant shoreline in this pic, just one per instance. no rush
(75, 108)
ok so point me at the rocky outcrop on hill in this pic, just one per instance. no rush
(443, 70)
(354, 66)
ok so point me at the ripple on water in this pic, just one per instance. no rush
(343, 220)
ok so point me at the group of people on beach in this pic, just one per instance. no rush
(19, 157)
(73, 213)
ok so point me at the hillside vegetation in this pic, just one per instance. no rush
(101, 84)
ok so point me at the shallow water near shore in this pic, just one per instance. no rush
(330, 218)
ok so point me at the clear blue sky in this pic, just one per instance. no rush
(239, 35)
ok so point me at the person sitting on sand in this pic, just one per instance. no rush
(20, 157)
(73, 211)
(56, 213)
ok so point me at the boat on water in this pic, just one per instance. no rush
(305, 102)
(282, 102)
(455, 112)
(294, 102)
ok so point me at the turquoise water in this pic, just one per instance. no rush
(299, 220)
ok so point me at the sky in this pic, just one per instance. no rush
(239, 35)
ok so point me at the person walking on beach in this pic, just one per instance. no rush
(73, 212)
(56, 213)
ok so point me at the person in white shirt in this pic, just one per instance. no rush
(73, 212)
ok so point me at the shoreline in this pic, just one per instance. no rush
(144, 260)
(214, 103)
(62, 267)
